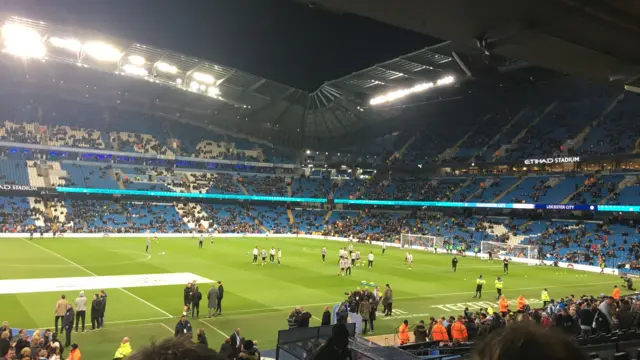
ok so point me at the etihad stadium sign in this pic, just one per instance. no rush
(558, 160)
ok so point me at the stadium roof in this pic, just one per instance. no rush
(240, 102)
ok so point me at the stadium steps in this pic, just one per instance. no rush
(509, 189)
(291, 218)
(533, 123)
(399, 153)
(629, 180)
(244, 189)
(499, 134)
(256, 221)
(576, 142)
(451, 152)
(568, 198)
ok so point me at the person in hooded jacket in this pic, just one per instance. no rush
(202, 338)
(249, 351)
(96, 311)
(420, 332)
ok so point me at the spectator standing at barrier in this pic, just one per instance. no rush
(336, 347)
(212, 299)
(220, 296)
(202, 338)
(196, 297)
(183, 327)
(387, 300)
(249, 351)
(81, 310)
(236, 341)
(5, 327)
(420, 332)
(364, 310)
(326, 317)
(5, 343)
(67, 324)
(124, 349)
(96, 311)
(103, 309)
(61, 309)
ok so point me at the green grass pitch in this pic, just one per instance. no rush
(257, 299)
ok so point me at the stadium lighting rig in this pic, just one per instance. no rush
(402, 93)
(23, 41)
(28, 39)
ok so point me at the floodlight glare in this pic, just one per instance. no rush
(136, 60)
(134, 70)
(167, 68)
(23, 41)
(398, 94)
(72, 45)
(202, 77)
(179, 81)
(203, 87)
(102, 51)
(213, 90)
(194, 86)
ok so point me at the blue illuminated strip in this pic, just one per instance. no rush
(567, 207)
(64, 189)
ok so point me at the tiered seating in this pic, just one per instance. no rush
(230, 219)
(15, 214)
(13, 171)
(311, 187)
(265, 185)
(567, 186)
(275, 220)
(34, 179)
(617, 133)
(91, 176)
(141, 143)
(153, 216)
(75, 137)
(309, 221)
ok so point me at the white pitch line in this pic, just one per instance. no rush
(167, 327)
(215, 328)
(93, 274)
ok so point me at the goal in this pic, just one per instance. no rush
(501, 250)
(421, 241)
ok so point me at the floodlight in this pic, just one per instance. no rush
(194, 86)
(397, 94)
(134, 70)
(445, 81)
(203, 87)
(179, 81)
(23, 41)
(202, 77)
(136, 60)
(167, 68)
(72, 45)
(213, 90)
(102, 51)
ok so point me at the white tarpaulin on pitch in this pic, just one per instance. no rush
(22, 286)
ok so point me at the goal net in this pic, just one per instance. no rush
(501, 250)
(421, 241)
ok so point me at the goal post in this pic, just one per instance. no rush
(501, 250)
(421, 241)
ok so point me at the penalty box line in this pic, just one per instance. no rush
(94, 274)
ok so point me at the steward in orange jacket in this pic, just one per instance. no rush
(504, 303)
(616, 292)
(459, 331)
(521, 303)
(439, 333)
(403, 333)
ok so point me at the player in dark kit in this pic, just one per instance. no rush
(505, 265)
(200, 242)
(454, 264)
(490, 256)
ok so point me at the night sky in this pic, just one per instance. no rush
(276, 39)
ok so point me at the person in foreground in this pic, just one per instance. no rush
(527, 342)
(175, 348)
(336, 347)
